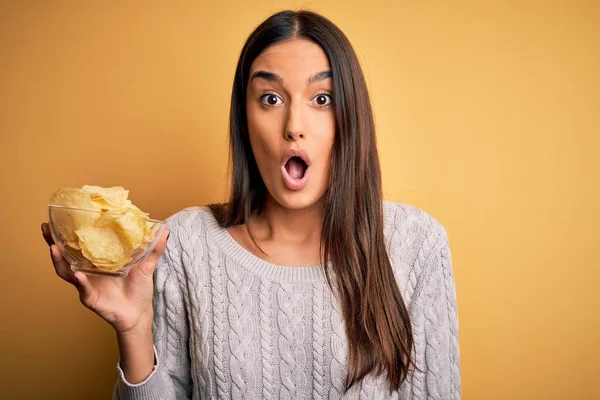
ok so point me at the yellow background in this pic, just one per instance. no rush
(487, 115)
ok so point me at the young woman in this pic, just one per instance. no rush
(305, 284)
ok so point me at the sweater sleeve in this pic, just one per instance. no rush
(435, 323)
(171, 377)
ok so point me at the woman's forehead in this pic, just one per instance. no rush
(292, 57)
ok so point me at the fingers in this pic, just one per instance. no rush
(88, 295)
(61, 267)
(147, 266)
(162, 243)
(46, 233)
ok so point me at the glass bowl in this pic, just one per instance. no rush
(103, 242)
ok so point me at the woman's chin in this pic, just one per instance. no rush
(297, 200)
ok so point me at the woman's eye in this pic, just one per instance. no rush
(323, 99)
(270, 100)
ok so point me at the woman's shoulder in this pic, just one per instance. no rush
(190, 224)
(409, 221)
(414, 237)
(188, 215)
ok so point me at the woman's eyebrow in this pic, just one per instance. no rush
(273, 77)
(269, 76)
(319, 76)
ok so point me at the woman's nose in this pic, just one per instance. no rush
(294, 128)
(294, 135)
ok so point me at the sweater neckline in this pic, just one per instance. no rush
(247, 260)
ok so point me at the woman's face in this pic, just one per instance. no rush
(291, 122)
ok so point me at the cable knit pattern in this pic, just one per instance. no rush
(266, 344)
(451, 317)
(418, 377)
(338, 352)
(219, 332)
(229, 325)
(366, 390)
(291, 338)
(240, 339)
(192, 253)
(318, 344)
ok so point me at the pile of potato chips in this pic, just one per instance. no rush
(107, 228)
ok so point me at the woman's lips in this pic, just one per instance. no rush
(300, 153)
(295, 184)
(292, 183)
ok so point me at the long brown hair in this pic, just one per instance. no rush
(377, 322)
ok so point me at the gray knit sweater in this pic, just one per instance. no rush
(229, 325)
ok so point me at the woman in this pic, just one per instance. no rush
(306, 284)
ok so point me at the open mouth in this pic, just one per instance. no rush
(296, 167)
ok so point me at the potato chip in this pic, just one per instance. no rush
(73, 220)
(130, 207)
(113, 197)
(102, 245)
(112, 267)
(110, 232)
(150, 229)
(105, 219)
(132, 229)
(73, 244)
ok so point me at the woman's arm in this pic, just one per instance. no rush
(168, 376)
(136, 351)
(435, 323)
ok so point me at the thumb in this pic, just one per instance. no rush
(162, 243)
(149, 263)
(88, 295)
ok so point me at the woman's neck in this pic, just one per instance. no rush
(277, 223)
